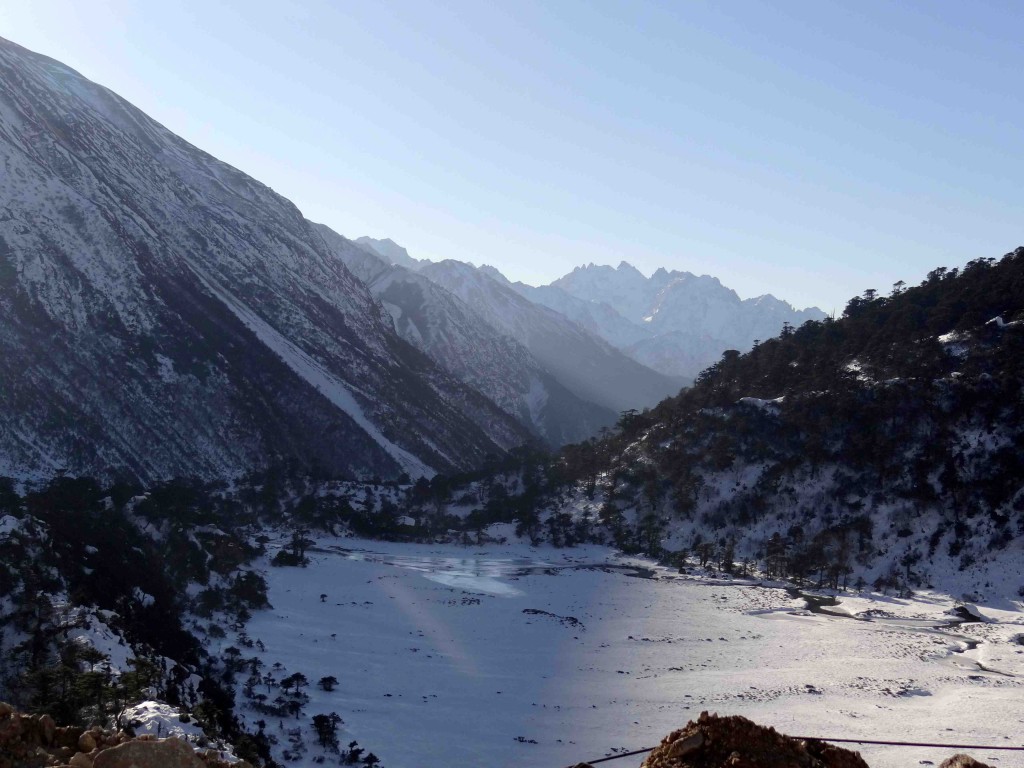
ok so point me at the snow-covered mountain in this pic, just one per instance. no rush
(459, 338)
(162, 313)
(675, 322)
(585, 364)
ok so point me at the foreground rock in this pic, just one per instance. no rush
(168, 753)
(735, 742)
(35, 741)
(963, 761)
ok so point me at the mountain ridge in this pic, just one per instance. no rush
(585, 364)
(467, 344)
(146, 288)
(683, 321)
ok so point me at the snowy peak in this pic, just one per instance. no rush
(683, 322)
(390, 251)
(494, 274)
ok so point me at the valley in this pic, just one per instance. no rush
(304, 499)
(517, 655)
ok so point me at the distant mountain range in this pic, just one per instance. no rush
(675, 323)
(475, 348)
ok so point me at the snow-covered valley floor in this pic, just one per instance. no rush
(515, 656)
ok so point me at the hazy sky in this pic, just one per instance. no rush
(807, 149)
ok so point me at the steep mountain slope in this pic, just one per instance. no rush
(161, 313)
(390, 251)
(587, 366)
(457, 337)
(597, 317)
(674, 322)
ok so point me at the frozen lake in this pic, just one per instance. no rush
(515, 656)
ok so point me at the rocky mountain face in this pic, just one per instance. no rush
(675, 322)
(390, 251)
(460, 339)
(162, 313)
(586, 365)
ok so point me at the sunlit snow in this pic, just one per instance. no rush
(518, 656)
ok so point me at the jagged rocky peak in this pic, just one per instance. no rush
(675, 322)
(464, 341)
(390, 251)
(494, 273)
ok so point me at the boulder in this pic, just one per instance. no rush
(162, 753)
(963, 761)
(10, 725)
(87, 742)
(67, 736)
(47, 729)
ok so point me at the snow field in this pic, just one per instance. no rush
(439, 665)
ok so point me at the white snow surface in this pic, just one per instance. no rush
(8, 525)
(161, 720)
(439, 664)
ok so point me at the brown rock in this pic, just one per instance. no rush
(47, 729)
(963, 761)
(166, 753)
(80, 760)
(67, 736)
(86, 742)
(684, 746)
(29, 730)
(735, 742)
(10, 727)
(63, 753)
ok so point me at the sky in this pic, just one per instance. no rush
(810, 150)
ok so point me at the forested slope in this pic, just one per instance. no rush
(886, 445)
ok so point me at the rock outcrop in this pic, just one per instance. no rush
(736, 742)
(963, 761)
(36, 741)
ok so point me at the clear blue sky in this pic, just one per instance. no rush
(807, 149)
